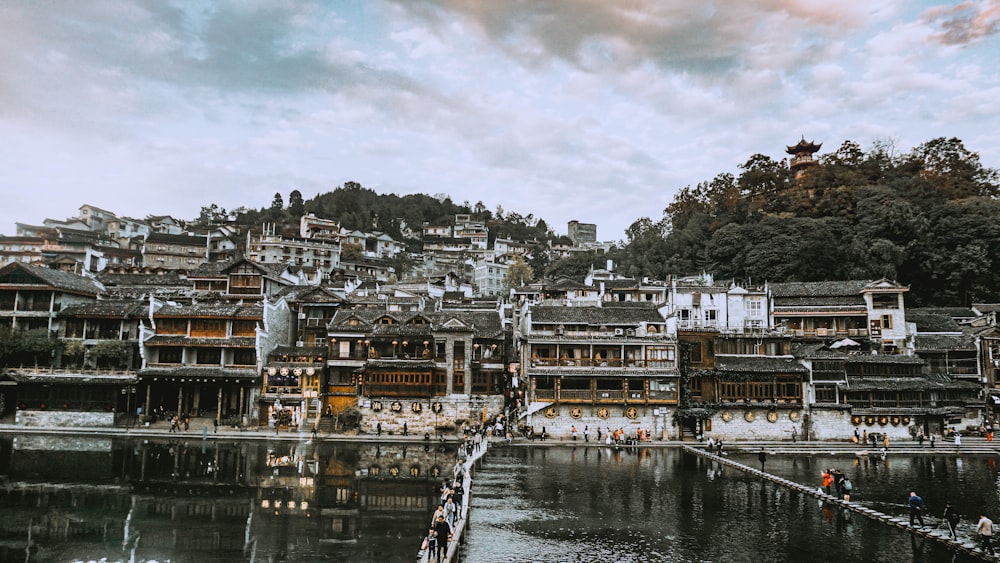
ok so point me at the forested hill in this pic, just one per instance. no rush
(929, 219)
(402, 217)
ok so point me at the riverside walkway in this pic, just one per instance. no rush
(937, 534)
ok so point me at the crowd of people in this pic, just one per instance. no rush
(449, 510)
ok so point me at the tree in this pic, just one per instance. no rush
(352, 252)
(518, 273)
(27, 347)
(576, 266)
(296, 207)
(277, 204)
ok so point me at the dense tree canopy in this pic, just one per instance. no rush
(921, 218)
(926, 218)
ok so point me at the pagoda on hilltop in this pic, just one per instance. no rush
(802, 155)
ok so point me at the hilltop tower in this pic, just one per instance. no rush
(802, 156)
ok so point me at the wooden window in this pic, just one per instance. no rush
(171, 326)
(208, 328)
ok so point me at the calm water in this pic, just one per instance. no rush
(67, 499)
(598, 504)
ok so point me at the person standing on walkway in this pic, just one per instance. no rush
(406, 429)
(958, 440)
(856, 438)
(378, 429)
(443, 532)
(985, 531)
(885, 441)
(873, 438)
(864, 436)
(586, 433)
(916, 508)
(932, 441)
(762, 457)
(951, 517)
(572, 431)
(920, 439)
(794, 434)
(827, 479)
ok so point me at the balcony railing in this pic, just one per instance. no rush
(600, 363)
(616, 396)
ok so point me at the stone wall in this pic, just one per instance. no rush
(658, 421)
(68, 419)
(455, 410)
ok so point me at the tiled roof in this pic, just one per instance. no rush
(943, 342)
(171, 277)
(726, 363)
(176, 239)
(952, 312)
(882, 359)
(816, 289)
(57, 279)
(199, 371)
(108, 308)
(935, 381)
(932, 322)
(840, 302)
(73, 378)
(210, 270)
(224, 309)
(180, 340)
(629, 316)
(984, 308)
(310, 294)
(618, 284)
(485, 324)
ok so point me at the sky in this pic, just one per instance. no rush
(583, 110)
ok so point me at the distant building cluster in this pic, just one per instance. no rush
(98, 241)
(266, 344)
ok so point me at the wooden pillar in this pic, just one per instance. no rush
(469, 351)
(218, 405)
(449, 355)
(147, 409)
(242, 390)
(180, 398)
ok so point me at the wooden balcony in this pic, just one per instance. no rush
(600, 396)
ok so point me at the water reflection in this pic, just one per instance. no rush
(643, 505)
(69, 499)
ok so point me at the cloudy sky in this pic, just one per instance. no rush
(573, 109)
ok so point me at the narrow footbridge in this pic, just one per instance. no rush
(939, 535)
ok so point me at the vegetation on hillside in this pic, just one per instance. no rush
(926, 218)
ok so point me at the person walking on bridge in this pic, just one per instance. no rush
(762, 457)
(916, 508)
(985, 531)
(443, 532)
(951, 517)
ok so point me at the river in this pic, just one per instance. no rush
(656, 504)
(66, 499)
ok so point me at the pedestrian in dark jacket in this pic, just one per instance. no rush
(443, 532)
(951, 517)
(916, 508)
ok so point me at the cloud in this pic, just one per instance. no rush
(966, 22)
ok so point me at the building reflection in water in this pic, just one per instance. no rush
(65, 498)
